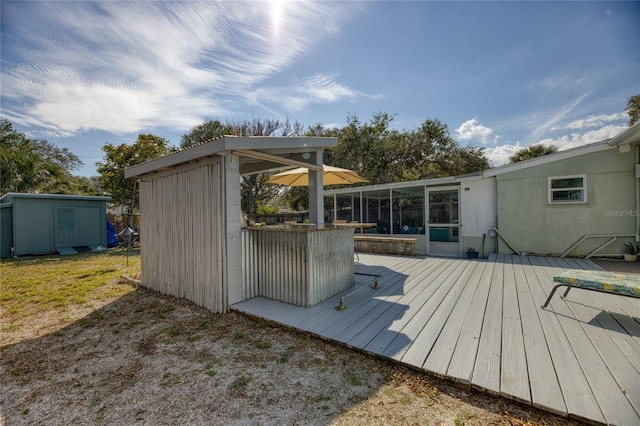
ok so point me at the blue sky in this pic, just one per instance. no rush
(501, 75)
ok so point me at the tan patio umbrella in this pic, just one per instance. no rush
(330, 176)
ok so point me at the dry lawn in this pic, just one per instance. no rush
(80, 346)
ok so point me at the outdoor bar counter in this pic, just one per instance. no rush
(300, 265)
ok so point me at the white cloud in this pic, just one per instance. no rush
(499, 155)
(557, 115)
(595, 120)
(120, 67)
(473, 130)
(317, 89)
(562, 82)
(578, 139)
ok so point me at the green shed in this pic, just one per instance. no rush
(46, 223)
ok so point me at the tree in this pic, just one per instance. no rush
(633, 109)
(254, 188)
(81, 185)
(383, 155)
(532, 151)
(29, 165)
(117, 158)
(204, 132)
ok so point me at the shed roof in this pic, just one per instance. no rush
(10, 196)
(257, 153)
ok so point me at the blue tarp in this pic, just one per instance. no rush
(112, 237)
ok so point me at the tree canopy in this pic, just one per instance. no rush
(255, 190)
(204, 132)
(381, 154)
(36, 166)
(117, 158)
(633, 109)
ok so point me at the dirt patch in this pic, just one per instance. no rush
(144, 358)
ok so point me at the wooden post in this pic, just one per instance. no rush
(316, 192)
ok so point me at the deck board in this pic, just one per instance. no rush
(362, 331)
(514, 381)
(385, 337)
(426, 325)
(578, 396)
(439, 359)
(467, 347)
(486, 371)
(543, 382)
(622, 370)
(425, 341)
(480, 323)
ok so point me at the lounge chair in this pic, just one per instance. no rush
(601, 281)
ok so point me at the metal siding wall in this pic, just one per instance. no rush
(301, 268)
(34, 225)
(6, 231)
(331, 267)
(273, 268)
(182, 233)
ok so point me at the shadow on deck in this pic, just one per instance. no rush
(479, 323)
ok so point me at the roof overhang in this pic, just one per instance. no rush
(258, 154)
(397, 186)
(13, 195)
(624, 140)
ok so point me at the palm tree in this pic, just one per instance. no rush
(28, 165)
(533, 151)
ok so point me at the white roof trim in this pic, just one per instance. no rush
(11, 195)
(632, 134)
(451, 180)
(272, 144)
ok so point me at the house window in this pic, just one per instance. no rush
(568, 189)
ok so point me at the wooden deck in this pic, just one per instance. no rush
(480, 323)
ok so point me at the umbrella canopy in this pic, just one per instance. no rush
(330, 176)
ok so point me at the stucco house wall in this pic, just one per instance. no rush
(478, 214)
(533, 225)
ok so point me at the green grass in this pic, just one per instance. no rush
(44, 283)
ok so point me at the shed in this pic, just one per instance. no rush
(46, 223)
(193, 244)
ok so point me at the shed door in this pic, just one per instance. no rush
(77, 226)
(89, 220)
(66, 227)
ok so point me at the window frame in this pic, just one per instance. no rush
(551, 190)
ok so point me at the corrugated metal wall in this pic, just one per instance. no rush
(182, 234)
(6, 230)
(297, 267)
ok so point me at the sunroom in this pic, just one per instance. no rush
(445, 216)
